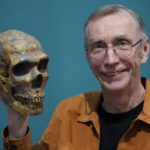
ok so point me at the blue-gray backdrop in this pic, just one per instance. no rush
(58, 25)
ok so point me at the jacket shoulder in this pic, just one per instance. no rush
(77, 104)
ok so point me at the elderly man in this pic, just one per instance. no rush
(118, 117)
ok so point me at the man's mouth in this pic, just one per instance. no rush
(113, 73)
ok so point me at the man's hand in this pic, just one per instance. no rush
(17, 124)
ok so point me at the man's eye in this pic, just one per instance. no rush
(99, 45)
(122, 43)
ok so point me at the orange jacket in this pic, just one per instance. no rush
(75, 126)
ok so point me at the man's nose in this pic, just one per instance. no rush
(111, 57)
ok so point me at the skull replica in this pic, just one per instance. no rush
(23, 72)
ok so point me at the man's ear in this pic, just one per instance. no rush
(145, 52)
(87, 55)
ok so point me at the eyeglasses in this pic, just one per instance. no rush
(121, 48)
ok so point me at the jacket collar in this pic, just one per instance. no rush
(92, 100)
(90, 104)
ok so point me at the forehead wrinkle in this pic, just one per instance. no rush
(106, 27)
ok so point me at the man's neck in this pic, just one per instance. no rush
(123, 100)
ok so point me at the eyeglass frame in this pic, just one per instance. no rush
(113, 47)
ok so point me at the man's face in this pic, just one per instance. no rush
(115, 72)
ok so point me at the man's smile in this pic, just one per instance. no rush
(114, 73)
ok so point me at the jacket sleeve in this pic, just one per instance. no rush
(49, 140)
(22, 144)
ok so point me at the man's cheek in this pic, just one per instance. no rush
(135, 68)
(95, 65)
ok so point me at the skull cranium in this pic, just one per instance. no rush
(23, 72)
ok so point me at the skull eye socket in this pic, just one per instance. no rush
(42, 66)
(21, 68)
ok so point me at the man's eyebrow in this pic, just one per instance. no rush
(94, 41)
(123, 37)
(115, 39)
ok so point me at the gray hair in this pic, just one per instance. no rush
(112, 9)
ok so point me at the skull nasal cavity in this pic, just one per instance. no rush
(37, 82)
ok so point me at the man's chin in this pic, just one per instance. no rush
(112, 88)
(116, 85)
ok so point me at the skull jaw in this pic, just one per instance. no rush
(25, 109)
(24, 106)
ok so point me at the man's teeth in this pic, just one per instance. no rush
(112, 73)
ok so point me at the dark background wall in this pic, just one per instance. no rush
(58, 25)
